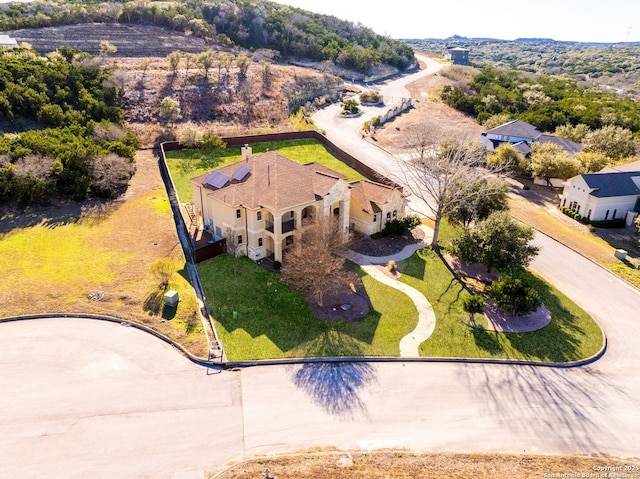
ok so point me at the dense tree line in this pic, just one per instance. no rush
(250, 24)
(546, 101)
(82, 149)
(58, 91)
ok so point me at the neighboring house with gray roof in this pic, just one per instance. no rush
(603, 195)
(260, 202)
(522, 135)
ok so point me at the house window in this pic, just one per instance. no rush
(578, 210)
(239, 239)
(260, 242)
(606, 215)
(259, 215)
(389, 216)
(564, 202)
(614, 214)
(395, 213)
(238, 213)
(589, 215)
(375, 218)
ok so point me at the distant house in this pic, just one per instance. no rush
(7, 42)
(459, 55)
(260, 202)
(522, 135)
(605, 195)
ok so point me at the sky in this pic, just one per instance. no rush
(606, 21)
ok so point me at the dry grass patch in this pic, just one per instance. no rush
(410, 465)
(427, 108)
(96, 259)
(543, 221)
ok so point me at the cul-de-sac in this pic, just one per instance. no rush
(259, 239)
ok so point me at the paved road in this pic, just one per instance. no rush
(82, 398)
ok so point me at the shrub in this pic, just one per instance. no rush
(526, 187)
(391, 266)
(163, 269)
(370, 96)
(277, 265)
(617, 223)
(350, 107)
(577, 216)
(395, 228)
(514, 295)
(212, 143)
(412, 221)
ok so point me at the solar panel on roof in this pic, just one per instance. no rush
(216, 179)
(241, 173)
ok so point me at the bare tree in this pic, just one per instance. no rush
(190, 135)
(313, 265)
(442, 170)
(110, 173)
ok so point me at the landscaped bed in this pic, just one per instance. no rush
(571, 335)
(186, 164)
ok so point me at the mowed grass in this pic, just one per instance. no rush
(54, 262)
(186, 164)
(570, 336)
(258, 318)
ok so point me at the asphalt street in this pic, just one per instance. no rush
(83, 398)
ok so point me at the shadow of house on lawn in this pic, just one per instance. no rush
(251, 299)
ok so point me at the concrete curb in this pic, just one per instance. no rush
(388, 359)
(101, 317)
(292, 361)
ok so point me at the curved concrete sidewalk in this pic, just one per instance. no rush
(426, 317)
(409, 345)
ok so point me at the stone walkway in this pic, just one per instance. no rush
(409, 345)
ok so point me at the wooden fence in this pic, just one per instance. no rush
(342, 155)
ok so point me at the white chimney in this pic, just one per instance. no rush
(246, 152)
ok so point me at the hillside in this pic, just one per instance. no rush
(250, 24)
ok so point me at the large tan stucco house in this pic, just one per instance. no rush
(259, 202)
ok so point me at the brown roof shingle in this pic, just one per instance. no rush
(370, 195)
(274, 182)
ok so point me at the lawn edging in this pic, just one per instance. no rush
(318, 360)
(101, 317)
(392, 359)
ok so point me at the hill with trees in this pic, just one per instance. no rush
(251, 24)
(612, 66)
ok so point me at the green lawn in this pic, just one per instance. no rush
(570, 336)
(271, 321)
(186, 164)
